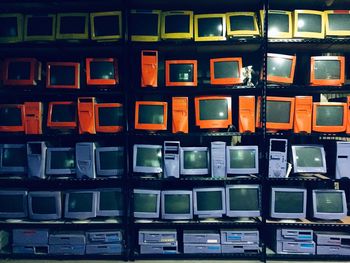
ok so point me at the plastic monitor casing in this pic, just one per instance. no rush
(209, 213)
(297, 169)
(17, 214)
(201, 171)
(176, 216)
(329, 216)
(12, 169)
(104, 172)
(252, 170)
(58, 205)
(148, 214)
(145, 169)
(62, 171)
(81, 215)
(99, 211)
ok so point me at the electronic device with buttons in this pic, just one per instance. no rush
(278, 158)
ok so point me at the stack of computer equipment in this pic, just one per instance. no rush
(67, 243)
(104, 242)
(158, 241)
(202, 242)
(295, 241)
(30, 241)
(332, 243)
(240, 241)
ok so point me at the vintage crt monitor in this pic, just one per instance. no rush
(194, 161)
(225, 71)
(242, 159)
(147, 158)
(309, 159)
(149, 68)
(146, 203)
(44, 205)
(40, 27)
(86, 115)
(303, 114)
(176, 204)
(243, 200)
(12, 118)
(85, 159)
(33, 117)
(62, 115)
(209, 202)
(11, 28)
(246, 114)
(242, 24)
(177, 24)
(109, 202)
(337, 23)
(279, 24)
(329, 117)
(63, 75)
(106, 26)
(72, 26)
(13, 204)
(109, 161)
(151, 115)
(342, 165)
(280, 68)
(145, 25)
(288, 203)
(329, 204)
(327, 71)
(36, 157)
(13, 158)
(60, 161)
(308, 24)
(21, 72)
(213, 112)
(209, 27)
(179, 114)
(279, 113)
(109, 117)
(181, 73)
(102, 71)
(80, 204)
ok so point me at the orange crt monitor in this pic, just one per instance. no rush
(329, 117)
(63, 75)
(101, 71)
(181, 73)
(21, 71)
(225, 71)
(327, 71)
(279, 113)
(280, 68)
(151, 115)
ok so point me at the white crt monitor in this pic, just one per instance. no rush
(194, 161)
(109, 202)
(110, 161)
(147, 158)
(329, 204)
(242, 159)
(177, 204)
(60, 161)
(209, 202)
(80, 204)
(13, 204)
(309, 159)
(146, 203)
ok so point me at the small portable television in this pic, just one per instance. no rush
(21, 72)
(209, 202)
(209, 27)
(146, 203)
(102, 71)
(109, 161)
(279, 113)
(63, 75)
(181, 73)
(72, 26)
(106, 26)
(81, 204)
(309, 24)
(213, 112)
(329, 204)
(151, 115)
(176, 205)
(327, 71)
(145, 25)
(62, 115)
(243, 201)
(194, 161)
(40, 27)
(225, 71)
(12, 118)
(11, 28)
(60, 161)
(337, 23)
(242, 159)
(242, 24)
(309, 159)
(288, 203)
(13, 204)
(177, 24)
(147, 159)
(13, 158)
(44, 205)
(109, 202)
(280, 68)
(109, 117)
(280, 24)
(329, 117)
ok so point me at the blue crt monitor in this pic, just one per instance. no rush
(329, 204)
(13, 204)
(44, 205)
(80, 204)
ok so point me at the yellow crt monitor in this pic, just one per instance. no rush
(106, 26)
(242, 24)
(337, 23)
(11, 28)
(72, 26)
(210, 27)
(40, 27)
(145, 25)
(279, 24)
(177, 24)
(309, 24)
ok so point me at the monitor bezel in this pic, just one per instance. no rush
(145, 169)
(327, 82)
(76, 66)
(282, 80)
(49, 170)
(282, 126)
(147, 214)
(145, 38)
(150, 126)
(106, 129)
(297, 169)
(103, 82)
(225, 81)
(101, 172)
(34, 75)
(297, 34)
(176, 216)
(241, 33)
(282, 35)
(327, 129)
(202, 171)
(19, 128)
(209, 213)
(108, 213)
(210, 38)
(72, 36)
(19, 37)
(328, 216)
(55, 194)
(51, 37)
(170, 36)
(60, 125)
(335, 33)
(109, 37)
(169, 83)
(235, 171)
(80, 215)
(24, 195)
(15, 169)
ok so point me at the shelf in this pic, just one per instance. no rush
(256, 256)
(320, 136)
(276, 89)
(63, 257)
(191, 134)
(308, 4)
(301, 178)
(345, 223)
(270, 254)
(75, 223)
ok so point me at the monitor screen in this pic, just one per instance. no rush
(278, 111)
(63, 113)
(102, 70)
(339, 22)
(72, 24)
(44, 205)
(62, 160)
(11, 203)
(62, 75)
(151, 114)
(107, 25)
(144, 24)
(279, 67)
(278, 23)
(195, 159)
(149, 157)
(145, 202)
(309, 156)
(40, 26)
(242, 158)
(111, 200)
(111, 160)
(209, 200)
(210, 27)
(8, 26)
(80, 202)
(10, 116)
(289, 202)
(244, 199)
(226, 69)
(215, 109)
(177, 204)
(14, 157)
(309, 23)
(181, 72)
(110, 116)
(19, 70)
(177, 24)
(329, 202)
(327, 69)
(242, 22)
(329, 115)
